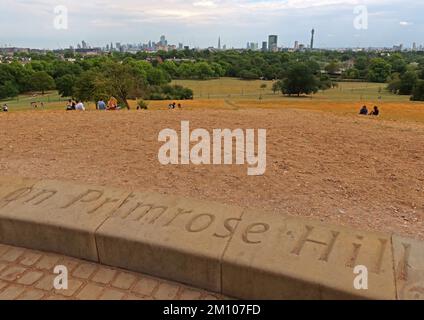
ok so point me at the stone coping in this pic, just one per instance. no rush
(239, 252)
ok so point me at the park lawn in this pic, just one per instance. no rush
(235, 94)
(231, 88)
(51, 99)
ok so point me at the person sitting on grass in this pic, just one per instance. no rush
(70, 105)
(364, 111)
(112, 104)
(80, 106)
(5, 108)
(101, 105)
(375, 112)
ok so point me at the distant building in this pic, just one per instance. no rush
(273, 43)
(89, 51)
(219, 43)
(252, 46)
(312, 39)
(264, 46)
(163, 42)
(398, 48)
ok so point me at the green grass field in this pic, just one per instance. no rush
(230, 88)
(51, 100)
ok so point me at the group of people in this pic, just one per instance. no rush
(174, 105)
(5, 108)
(364, 111)
(100, 105)
(75, 105)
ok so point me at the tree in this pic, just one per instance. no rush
(351, 73)
(8, 90)
(300, 80)
(362, 64)
(398, 63)
(42, 81)
(122, 81)
(379, 70)
(156, 77)
(276, 86)
(333, 67)
(65, 85)
(407, 82)
(87, 87)
(418, 91)
(203, 70)
(171, 68)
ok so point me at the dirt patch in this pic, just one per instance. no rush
(361, 172)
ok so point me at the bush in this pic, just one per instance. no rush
(143, 105)
(418, 91)
(168, 92)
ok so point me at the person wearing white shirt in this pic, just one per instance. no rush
(80, 106)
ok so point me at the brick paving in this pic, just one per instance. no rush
(28, 275)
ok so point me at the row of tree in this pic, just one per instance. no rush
(404, 72)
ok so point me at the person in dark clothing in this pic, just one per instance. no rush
(69, 105)
(375, 112)
(364, 111)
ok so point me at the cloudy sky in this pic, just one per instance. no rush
(30, 23)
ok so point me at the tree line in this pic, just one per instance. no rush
(296, 72)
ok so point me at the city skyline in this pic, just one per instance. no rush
(199, 23)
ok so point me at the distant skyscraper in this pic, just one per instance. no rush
(163, 41)
(264, 46)
(414, 46)
(84, 44)
(273, 43)
(296, 45)
(312, 38)
(219, 43)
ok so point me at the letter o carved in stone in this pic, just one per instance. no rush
(200, 222)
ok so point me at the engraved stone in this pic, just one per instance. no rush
(409, 268)
(169, 237)
(276, 257)
(56, 216)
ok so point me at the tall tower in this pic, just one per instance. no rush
(272, 43)
(312, 39)
(219, 43)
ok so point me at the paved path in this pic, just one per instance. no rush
(28, 275)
